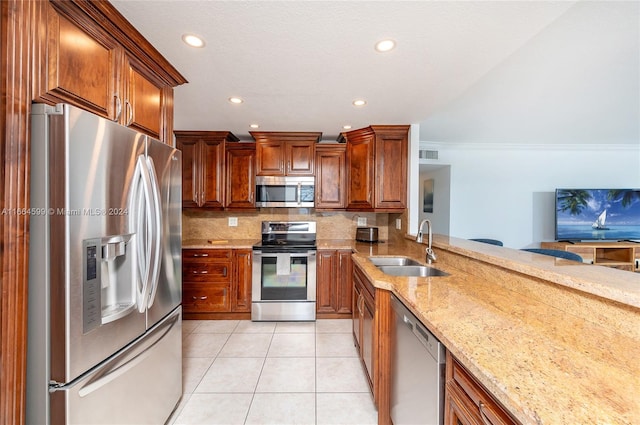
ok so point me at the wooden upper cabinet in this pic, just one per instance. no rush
(391, 167)
(377, 168)
(88, 55)
(285, 153)
(240, 176)
(74, 65)
(360, 167)
(331, 177)
(142, 99)
(203, 168)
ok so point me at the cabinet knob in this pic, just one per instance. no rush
(483, 415)
(200, 255)
(200, 271)
(202, 298)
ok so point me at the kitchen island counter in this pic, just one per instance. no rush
(541, 334)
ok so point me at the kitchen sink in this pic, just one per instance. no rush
(412, 270)
(393, 261)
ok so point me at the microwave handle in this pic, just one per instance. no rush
(299, 193)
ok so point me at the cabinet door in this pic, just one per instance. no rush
(191, 176)
(326, 281)
(391, 170)
(142, 99)
(360, 173)
(330, 177)
(300, 158)
(368, 310)
(270, 158)
(241, 284)
(211, 167)
(356, 315)
(344, 287)
(454, 411)
(75, 65)
(241, 186)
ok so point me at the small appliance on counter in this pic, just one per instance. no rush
(367, 234)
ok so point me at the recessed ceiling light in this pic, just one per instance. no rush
(346, 127)
(385, 45)
(193, 40)
(359, 102)
(236, 100)
(254, 126)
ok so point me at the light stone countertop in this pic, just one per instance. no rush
(549, 354)
(556, 342)
(218, 243)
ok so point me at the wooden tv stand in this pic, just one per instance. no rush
(619, 255)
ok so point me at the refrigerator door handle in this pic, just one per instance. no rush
(141, 204)
(156, 214)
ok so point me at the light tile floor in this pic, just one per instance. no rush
(243, 372)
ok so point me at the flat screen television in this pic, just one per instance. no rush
(597, 214)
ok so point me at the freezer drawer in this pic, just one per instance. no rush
(142, 384)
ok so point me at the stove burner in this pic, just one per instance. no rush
(288, 235)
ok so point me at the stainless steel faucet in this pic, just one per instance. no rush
(431, 256)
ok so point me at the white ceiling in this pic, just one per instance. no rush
(298, 65)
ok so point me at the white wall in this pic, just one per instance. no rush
(507, 192)
(577, 81)
(441, 215)
(562, 111)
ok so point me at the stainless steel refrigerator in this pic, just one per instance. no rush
(105, 333)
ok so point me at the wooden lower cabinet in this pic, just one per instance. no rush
(333, 283)
(241, 283)
(467, 402)
(216, 283)
(372, 323)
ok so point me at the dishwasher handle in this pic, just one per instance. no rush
(426, 338)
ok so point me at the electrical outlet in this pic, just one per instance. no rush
(233, 221)
(398, 223)
(362, 221)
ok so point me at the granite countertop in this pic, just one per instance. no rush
(545, 363)
(218, 243)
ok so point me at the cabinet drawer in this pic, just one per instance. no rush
(206, 254)
(472, 394)
(206, 271)
(359, 276)
(205, 297)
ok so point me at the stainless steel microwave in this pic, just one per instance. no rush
(285, 191)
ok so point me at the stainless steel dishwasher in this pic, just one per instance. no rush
(417, 372)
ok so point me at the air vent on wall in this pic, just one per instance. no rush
(427, 154)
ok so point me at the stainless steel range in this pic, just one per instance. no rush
(284, 272)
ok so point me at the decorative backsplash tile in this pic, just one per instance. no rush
(330, 225)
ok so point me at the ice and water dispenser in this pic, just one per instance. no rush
(109, 280)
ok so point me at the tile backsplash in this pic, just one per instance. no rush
(330, 225)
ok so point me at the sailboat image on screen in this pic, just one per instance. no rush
(599, 224)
